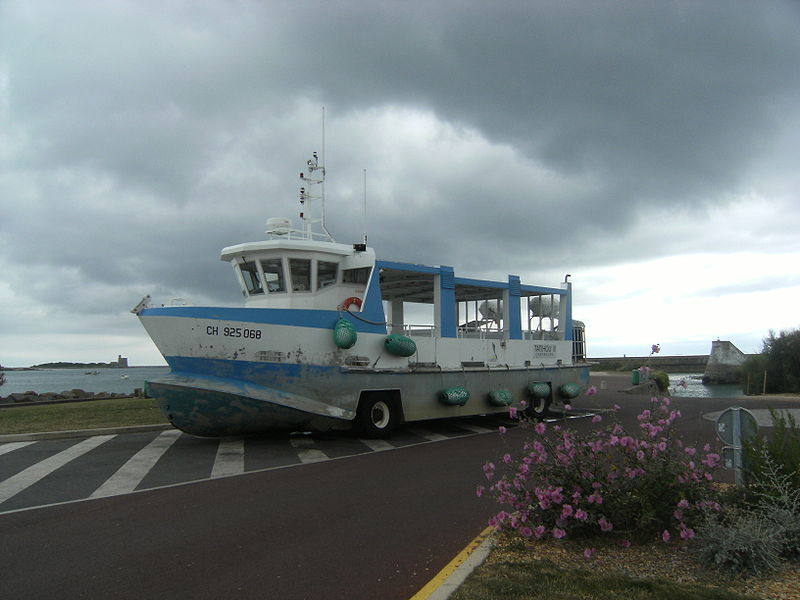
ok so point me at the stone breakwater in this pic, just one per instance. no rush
(75, 395)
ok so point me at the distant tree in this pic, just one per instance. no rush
(780, 360)
(2, 376)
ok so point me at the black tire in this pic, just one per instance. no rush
(376, 417)
(539, 407)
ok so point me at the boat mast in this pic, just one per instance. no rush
(314, 165)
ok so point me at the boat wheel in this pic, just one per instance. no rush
(539, 407)
(375, 417)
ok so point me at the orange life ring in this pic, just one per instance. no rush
(350, 301)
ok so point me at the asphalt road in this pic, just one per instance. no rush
(378, 525)
(370, 526)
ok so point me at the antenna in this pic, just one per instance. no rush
(365, 206)
(322, 187)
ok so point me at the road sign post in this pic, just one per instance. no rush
(734, 426)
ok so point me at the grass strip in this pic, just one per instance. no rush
(112, 412)
(519, 578)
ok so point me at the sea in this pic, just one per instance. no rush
(695, 388)
(125, 381)
(117, 381)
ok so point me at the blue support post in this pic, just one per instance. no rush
(447, 302)
(566, 326)
(514, 323)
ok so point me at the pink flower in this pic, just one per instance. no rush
(625, 543)
(581, 514)
(591, 391)
(525, 531)
(540, 428)
(588, 552)
(539, 531)
(595, 498)
(558, 533)
(605, 525)
(597, 419)
(501, 429)
(666, 536)
(568, 407)
(655, 349)
(512, 412)
(479, 491)
(687, 533)
(566, 511)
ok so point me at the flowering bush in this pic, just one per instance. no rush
(636, 485)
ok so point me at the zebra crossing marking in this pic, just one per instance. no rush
(475, 428)
(129, 475)
(428, 435)
(24, 479)
(306, 450)
(377, 445)
(9, 447)
(230, 458)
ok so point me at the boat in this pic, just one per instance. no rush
(323, 341)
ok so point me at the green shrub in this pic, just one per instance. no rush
(779, 359)
(738, 543)
(751, 374)
(781, 450)
(758, 535)
(661, 379)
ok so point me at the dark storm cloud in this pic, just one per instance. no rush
(140, 138)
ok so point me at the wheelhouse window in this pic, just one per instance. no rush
(326, 273)
(273, 273)
(360, 275)
(300, 269)
(252, 281)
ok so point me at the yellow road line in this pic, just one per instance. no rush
(450, 568)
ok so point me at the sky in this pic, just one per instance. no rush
(647, 148)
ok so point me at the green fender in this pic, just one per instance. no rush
(399, 345)
(500, 398)
(344, 334)
(454, 396)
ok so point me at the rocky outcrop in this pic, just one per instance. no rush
(723, 362)
(65, 396)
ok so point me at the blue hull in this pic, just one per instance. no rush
(212, 407)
